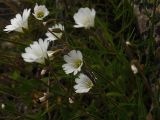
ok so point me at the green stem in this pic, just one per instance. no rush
(14, 42)
(48, 92)
(151, 40)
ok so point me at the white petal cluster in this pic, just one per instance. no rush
(53, 36)
(74, 61)
(37, 52)
(20, 22)
(40, 11)
(83, 84)
(84, 18)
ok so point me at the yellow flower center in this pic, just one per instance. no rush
(89, 84)
(77, 63)
(40, 14)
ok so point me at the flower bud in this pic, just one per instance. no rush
(3, 106)
(70, 100)
(134, 69)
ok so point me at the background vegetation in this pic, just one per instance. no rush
(118, 94)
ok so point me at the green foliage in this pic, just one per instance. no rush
(118, 94)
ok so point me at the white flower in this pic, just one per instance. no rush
(74, 61)
(37, 52)
(134, 69)
(19, 22)
(84, 18)
(83, 84)
(40, 12)
(52, 37)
